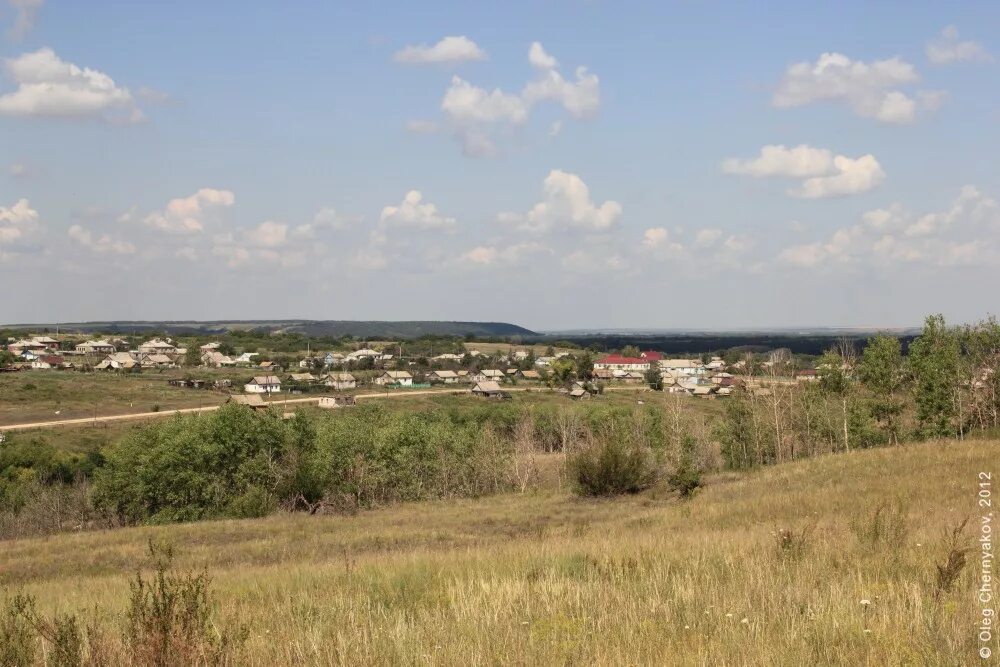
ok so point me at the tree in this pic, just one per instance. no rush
(631, 351)
(882, 372)
(834, 378)
(584, 366)
(653, 377)
(935, 357)
(193, 355)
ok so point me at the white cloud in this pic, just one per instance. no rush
(50, 87)
(853, 176)
(327, 218)
(414, 213)
(448, 50)
(962, 234)
(655, 236)
(567, 204)
(799, 161)
(466, 103)
(422, 126)
(103, 244)
(24, 17)
(581, 98)
(268, 234)
(870, 89)
(185, 215)
(474, 113)
(17, 221)
(824, 174)
(539, 58)
(509, 255)
(947, 48)
(706, 238)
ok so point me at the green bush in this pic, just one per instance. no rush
(614, 465)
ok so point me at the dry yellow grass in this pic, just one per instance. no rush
(545, 578)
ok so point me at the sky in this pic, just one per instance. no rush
(560, 164)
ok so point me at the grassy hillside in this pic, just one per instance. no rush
(546, 578)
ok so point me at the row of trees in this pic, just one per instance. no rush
(946, 384)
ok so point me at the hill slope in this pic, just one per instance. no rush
(357, 328)
(546, 578)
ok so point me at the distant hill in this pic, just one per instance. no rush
(359, 329)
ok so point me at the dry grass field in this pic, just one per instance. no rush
(824, 561)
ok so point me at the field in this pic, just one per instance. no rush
(793, 564)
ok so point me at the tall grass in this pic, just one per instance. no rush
(544, 577)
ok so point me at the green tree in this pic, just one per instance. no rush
(584, 365)
(631, 351)
(193, 355)
(882, 372)
(834, 379)
(935, 358)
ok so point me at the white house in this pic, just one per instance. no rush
(681, 367)
(263, 384)
(447, 356)
(95, 347)
(216, 359)
(157, 346)
(117, 361)
(398, 378)
(446, 377)
(340, 381)
(489, 375)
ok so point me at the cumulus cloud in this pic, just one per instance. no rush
(947, 48)
(567, 204)
(268, 234)
(48, 86)
(474, 114)
(706, 238)
(17, 221)
(186, 215)
(102, 244)
(24, 17)
(449, 50)
(539, 58)
(872, 90)
(799, 161)
(414, 213)
(506, 255)
(824, 174)
(853, 176)
(963, 233)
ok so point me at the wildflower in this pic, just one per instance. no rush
(729, 615)
(866, 602)
(745, 621)
(687, 627)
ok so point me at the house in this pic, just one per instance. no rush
(578, 393)
(806, 375)
(330, 402)
(245, 359)
(530, 376)
(157, 346)
(363, 353)
(303, 377)
(267, 366)
(340, 381)
(398, 378)
(48, 361)
(715, 364)
(632, 377)
(95, 347)
(447, 357)
(603, 374)
(488, 389)
(463, 375)
(155, 361)
(263, 384)
(118, 361)
(309, 362)
(210, 347)
(520, 355)
(18, 348)
(489, 375)
(677, 367)
(47, 342)
(252, 401)
(542, 362)
(446, 377)
(618, 362)
(217, 359)
(333, 359)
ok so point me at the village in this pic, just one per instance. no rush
(580, 374)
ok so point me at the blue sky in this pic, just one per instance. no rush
(714, 164)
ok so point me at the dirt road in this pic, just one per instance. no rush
(278, 403)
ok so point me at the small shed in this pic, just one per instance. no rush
(488, 389)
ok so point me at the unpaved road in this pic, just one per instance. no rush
(209, 408)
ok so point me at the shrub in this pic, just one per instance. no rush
(613, 465)
(17, 636)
